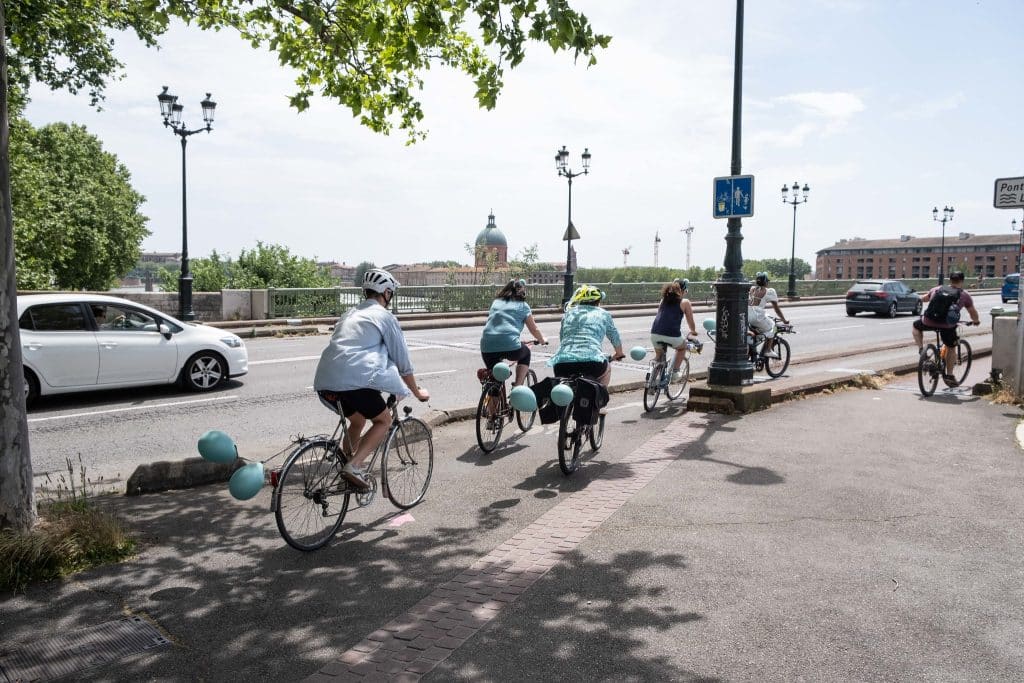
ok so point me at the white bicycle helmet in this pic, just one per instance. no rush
(379, 281)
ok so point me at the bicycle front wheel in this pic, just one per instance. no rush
(408, 462)
(489, 419)
(777, 360)
(652, 387)
(526, 420)
(597, 434)
(928, 370)
(676, 387)
(309, 506)
(568, 442)
(963, 361)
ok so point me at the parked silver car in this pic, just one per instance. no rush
(83, 342)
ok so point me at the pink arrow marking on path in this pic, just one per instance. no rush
(401, 519)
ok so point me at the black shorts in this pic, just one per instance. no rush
(520, 355)
(367, 402)
(590, 368)
(947, 334)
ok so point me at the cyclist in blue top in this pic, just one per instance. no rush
(584, 328)
(668, 323)
(505, 321)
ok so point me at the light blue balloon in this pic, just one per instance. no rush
(637, 353)
(523, 399)
(501, 371)
(709, 324)
(247, 481)
(561, 394)
(218, 447)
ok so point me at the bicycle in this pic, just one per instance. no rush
(493, 408)
(573, 431)
(659, 379)
(771, 354)
(931, 365)
(310, 498)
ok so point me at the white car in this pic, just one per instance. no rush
(84, 342)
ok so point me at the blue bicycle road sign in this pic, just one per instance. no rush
(734, 196)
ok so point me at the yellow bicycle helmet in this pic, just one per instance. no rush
(586, 294)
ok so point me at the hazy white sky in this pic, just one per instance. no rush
(885, 108)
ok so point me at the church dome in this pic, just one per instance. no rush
(490, 236)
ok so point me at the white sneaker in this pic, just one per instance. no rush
(355, 476)
(677, 375)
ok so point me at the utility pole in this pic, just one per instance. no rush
(689, 233)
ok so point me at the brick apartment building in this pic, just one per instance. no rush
(918, 257)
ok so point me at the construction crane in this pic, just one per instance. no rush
(625, 255)
(689, 232)
(657, 241)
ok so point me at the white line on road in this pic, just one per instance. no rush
(293, 359)
(844, 327)
(435, 372)
(636, 404)
(144, 407)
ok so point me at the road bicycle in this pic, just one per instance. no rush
(573, 431)
(493, 410)
(931, 365)
(310, 497)
(660, 378)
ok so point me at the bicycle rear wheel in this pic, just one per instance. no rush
(963, 361)
(676, 388)
(526, 421)
(777, 359)
(928, 370)
(408, 462)
(568, 442)
(309, 505)
(652, 387)
(597, 434)
(489, 418)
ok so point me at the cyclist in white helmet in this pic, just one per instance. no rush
(365, 356)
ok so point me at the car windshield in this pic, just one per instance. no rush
(866, 287)
(1012, 279)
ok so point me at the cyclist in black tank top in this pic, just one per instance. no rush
(668, 323)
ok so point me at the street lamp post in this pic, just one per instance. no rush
(562, 166)
(1020, 247)
(792, 253)
(171, 112)
(947, 215)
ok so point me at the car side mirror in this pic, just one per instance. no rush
(165, 330)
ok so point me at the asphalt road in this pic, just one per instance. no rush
(110, 433)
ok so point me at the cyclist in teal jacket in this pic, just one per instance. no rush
(584, 329)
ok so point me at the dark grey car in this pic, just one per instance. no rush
(882, 297)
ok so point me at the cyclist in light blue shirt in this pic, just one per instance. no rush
(584, 329)
(365, 356)
(500, 339)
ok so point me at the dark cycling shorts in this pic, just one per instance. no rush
(520, 355)
(367, 402)
(588, 368)
(948, 334)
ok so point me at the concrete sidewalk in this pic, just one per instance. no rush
(860, 535)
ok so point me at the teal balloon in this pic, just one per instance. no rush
(523, 399)
(637, 353)
(709, 324)
(216, 446)
(501, 371)
(247, 481)
(561, 394)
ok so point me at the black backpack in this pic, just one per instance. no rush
(943, 306)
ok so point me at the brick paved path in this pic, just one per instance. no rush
(412, 644)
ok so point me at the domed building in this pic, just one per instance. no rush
(491, 240)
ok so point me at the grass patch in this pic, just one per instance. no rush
(73, 533)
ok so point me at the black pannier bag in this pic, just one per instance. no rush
(590, 397)
(549, 413)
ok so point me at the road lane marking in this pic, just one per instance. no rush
(844, 327)
(293, 359)
(145, 407)
(435, 372)
(636, 404)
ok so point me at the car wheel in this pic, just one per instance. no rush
(204, 371)
(918, 307)
(892, 310)
(31, 387)
(850, 313)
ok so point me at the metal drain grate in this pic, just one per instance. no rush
(71, 652)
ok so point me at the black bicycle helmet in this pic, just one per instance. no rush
(682, 282)
(762, 279)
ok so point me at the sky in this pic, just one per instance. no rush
(885, 108)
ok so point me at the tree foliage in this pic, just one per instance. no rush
(268, 265)
(357, 278)
(777, 268)
(645, 274)
(77, 223)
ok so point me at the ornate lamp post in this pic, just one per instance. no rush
(562, 166)
(1020, 247)
(795, 201)
(171, 112)
(947, 215)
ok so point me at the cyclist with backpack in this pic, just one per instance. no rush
(943, 313)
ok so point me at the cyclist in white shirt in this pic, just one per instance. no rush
(760, 296)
